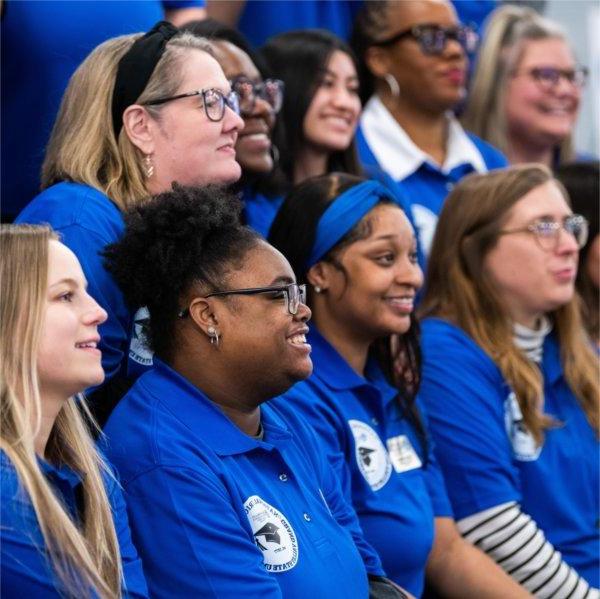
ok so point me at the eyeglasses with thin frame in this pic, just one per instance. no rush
(433, 38)
(549, 77)
(293, 294)
(547, 232)
(213, 100)
(269, 90)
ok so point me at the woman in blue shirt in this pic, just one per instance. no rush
(351, 243)
(214, 474)
(510, 379)
(64, 525)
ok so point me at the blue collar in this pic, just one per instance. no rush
(331, 368)
(205, 420)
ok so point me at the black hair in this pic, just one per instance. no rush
(369, 24)
(299, 59)
(582, 182)
(272, 184)
(293, 234)
(179, 238)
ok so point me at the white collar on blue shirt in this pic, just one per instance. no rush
(397, 154)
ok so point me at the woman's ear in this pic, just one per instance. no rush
(137, 123)
(377, 61)
(319, 275)
(203, 315)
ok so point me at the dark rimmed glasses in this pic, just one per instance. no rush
(548, 78)
(546, 232)
(433, 38)
(269, 90)
(213, 100)
(293, 294)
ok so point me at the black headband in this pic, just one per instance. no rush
(136, 67)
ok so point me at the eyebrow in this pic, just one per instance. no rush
(326, 71)
(68, 281)
(282, 279)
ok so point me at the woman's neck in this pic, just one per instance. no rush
(427, 130)
(51, 405)
(311, 162)
(519, 152)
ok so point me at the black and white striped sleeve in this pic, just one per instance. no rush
(514, 541)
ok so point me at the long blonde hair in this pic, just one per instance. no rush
(460, 290)
(82, 146)
(86, 559)
(506, 35)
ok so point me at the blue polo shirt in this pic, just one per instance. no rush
(259, 210)
(488, 457)
(244, 517)
(382, 142)
(25, 571)
(378, 458)
(87, 221)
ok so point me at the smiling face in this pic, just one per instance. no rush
(331, 118)
(373, 294)
(68, 357)
(261, 341)
(187, 146)
(253, 148)
(542, 117)
(532, 281)
(427, 82)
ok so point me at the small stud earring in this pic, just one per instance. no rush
(318, 289)
(214, 336)
(148, 166)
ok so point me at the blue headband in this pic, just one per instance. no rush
(342, 214)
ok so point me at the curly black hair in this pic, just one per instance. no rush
(180, 237)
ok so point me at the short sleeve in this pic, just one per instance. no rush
(464, 394)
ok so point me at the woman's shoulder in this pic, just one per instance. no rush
(491, 155)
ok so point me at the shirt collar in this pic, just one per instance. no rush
(336, 373)
(206, 420)
(398, 155)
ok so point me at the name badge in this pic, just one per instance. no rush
(402, 454)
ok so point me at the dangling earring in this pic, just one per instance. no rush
(394, 87)
(214, 336)
(317, 289)
(148, 166)
(275, 155)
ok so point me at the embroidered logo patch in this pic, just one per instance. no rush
(402, 454)
(273, 535)
(522, 441)
(371, 456)
(138, 348)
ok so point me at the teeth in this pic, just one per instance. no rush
(298, 339)
(92, 344)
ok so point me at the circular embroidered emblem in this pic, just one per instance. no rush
(371, 456)
(273, 535)
(522, 441)
(138, 348)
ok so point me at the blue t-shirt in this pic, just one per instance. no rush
(42, 43)
(261, 19)
(489, 458)
(260, 211)
(378, 458)
(25, 570)
(87, 221)
(244, 517)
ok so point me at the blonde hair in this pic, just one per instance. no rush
(85, 560)
(83, 147)
(460, 290)
(506, 35)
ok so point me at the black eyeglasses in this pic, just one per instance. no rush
(214, 102)
(433, 38)
(293, 294)
(546, 232)
(269, 90)
(549, 77)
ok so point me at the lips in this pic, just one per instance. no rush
(404, 304)
(455, 75)
(298, 338)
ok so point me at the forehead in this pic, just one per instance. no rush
(62, 263)
(341, 64)
(545, 200)
(200, 71)
(407, 13)
(235, 61)
(262, 266)
(548, 52)
(389, 221)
